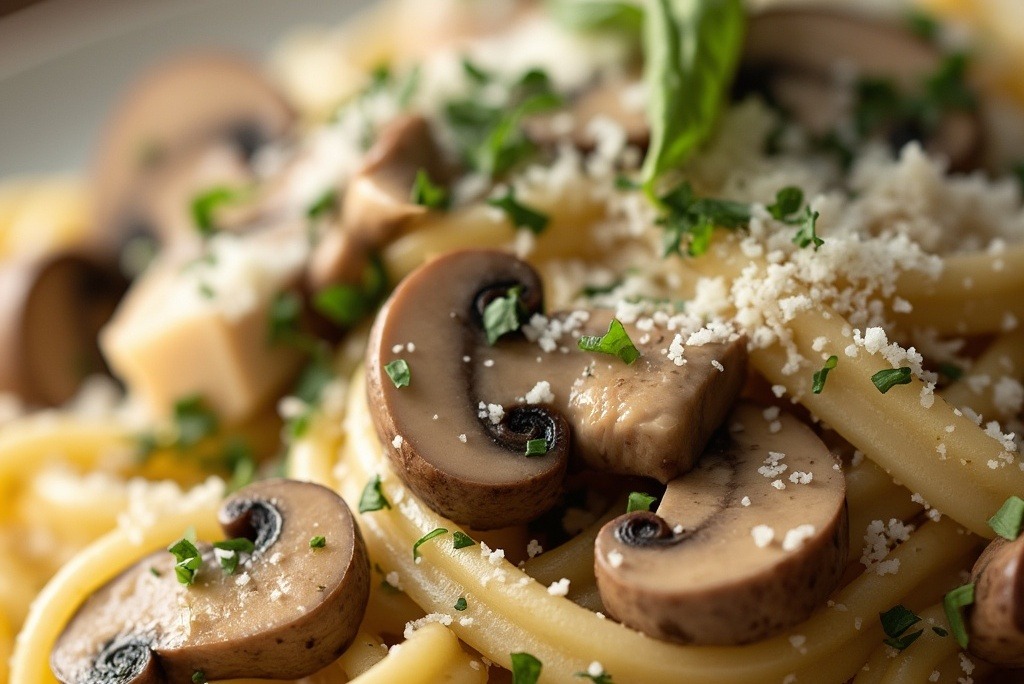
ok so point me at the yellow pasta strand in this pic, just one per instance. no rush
(432, 654)
(1003, 358)
(366, 651)
(6, 644)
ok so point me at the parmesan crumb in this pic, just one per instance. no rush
(559, 588)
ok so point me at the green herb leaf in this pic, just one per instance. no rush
(283, 322)
(461, 604)
(426, 193)
(325, 204)
(603, 678)
(232, 547)
(373, 498)
(951, 371)
(639, 501)
(902, 642)
(462, 540)
(501, 315)
(598, 15)
(686, 216)
(886, 379)
(807, 233)
(317, 542)
(346, 303)
(525, 668)
(615, 342)
(474, 72)
(536, 447)
(519, 214)
(198, 677)
(787, 202)
(897, 620)
(187, 559)
(691, 52)
(923, 25)
(424, 539)
(954, 603)
(398, 371)
(941, 632)
(1008, 519)
(193, 421)
(207, 202)
(818, 380)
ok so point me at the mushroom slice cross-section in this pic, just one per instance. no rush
(996, 619)
(285, 612)
(745, 545)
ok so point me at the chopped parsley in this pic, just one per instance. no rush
(603, 678)
(317, 542)
(954, 603)
(231, 548)
(193, 421)
(941, 632)
(398, 371)
(437, 532)
(501, 315)
(461, 604)
(615, 342)
(818, 380)
(187, 560)
(1008, 519)
(536, 447)
(788, 201)
(895, 623)
(207, 202)
(323, 205)
(639, 501)
(284, 317)
(426, 193)
(951, 371)
(474, 73)
(239, 460)
(807, 233)
(345, 304)
(886, 379)
(462, 540)
(687, 218)
(519, 214)
(373, 498)
(525, 668)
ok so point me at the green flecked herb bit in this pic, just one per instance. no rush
(345, 304)
(475, 73)
(615, 342)
(525, 668)
(437, 532)
(372, 498)
(283, 320)
(398, 371)
(325, 204)
(502, 315)
(462, 540)
(1008, 519)
(687, 217)
(205, 204)
(639, 501)
(519, 214)
(599, 678)
(620, 16)
(788, 201)
(895, 622)
(187, 560)
(818, 380)
(954, 603)
(886, 379)
(536, 447)
(198, 677)
(229, 550)
(193, 421)
(427, 193)
(807, 233)
(317, 542)
(951, 371)
(461, 604)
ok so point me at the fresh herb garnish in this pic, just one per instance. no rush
(346, 303)
(462, 540)
(886, 379)
(951, 371)
(398, 371)
(501, 315)
(475, 74)
(317, 542)
(687, 217)
(954, 603)
(895, 622)
(818, 380)
(187, 560)
(198, 677)
(426, 193)
(1008, 519)
(461, 604)
(525, 668)
(323, 205)
(807, 233)
(639, 501)
(231, 548)
(373, 498)
(603, 678)
(424, 539)
(941, 632)
(283, 320)
(519, 214)
(207, 202)
(193, 421)
(536, 447)
(615, 342)
(788, 201)
(691, 53)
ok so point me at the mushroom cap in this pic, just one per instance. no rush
(285, 613)
(51, 310)
(709, 582)
(996, 621)
(175, 109)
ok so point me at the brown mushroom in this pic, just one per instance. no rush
(167, 123)
(771, 503)
(457, 433)
(51, 309)
(377, 205)
(996, 619)
(605, 100)
(285, 612)
(792, 54)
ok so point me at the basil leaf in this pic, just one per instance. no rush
(615, 342)
(692, 48)
(1007, 520)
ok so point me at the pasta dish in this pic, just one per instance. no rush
(585, 340)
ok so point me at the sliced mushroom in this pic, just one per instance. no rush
(608, 100)
(51, 309)
(664, 574)
(377, 205)
(457, 433)
(793, 54)
(286, 611)
(166, 123)
(996, 623)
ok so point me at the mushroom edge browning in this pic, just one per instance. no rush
(284, 613)
(996, 619)
(666, 574)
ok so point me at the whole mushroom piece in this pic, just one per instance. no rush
(286, 612)
(747, 544)
(996, 622)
